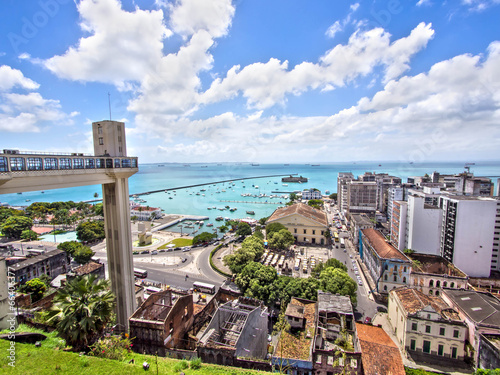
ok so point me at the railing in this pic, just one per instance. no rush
(12, 163)
(18, 152)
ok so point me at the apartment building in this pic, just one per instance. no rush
(398, 224)
(342, 190)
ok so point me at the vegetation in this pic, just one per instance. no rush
(29, 235)
(251, 250)
(280, 240)
(262, 220)
(418, 371)
(273, 227)
(315, 203)
(178, 242)
(90, 231)
(14, 226)
(76, 250)
(35, 287)
(332, 262)
(45, 361)
(408, 251)
(244, 229)
(112, 347)
(293, 197)
(203, 237)
(82, 310)
(487, 372)
(333, 196)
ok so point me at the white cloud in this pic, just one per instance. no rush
(339, 26)
(479, 5)
(423, 2)
(123, 46)
(266, 84)
(190, 16)
(24, 112)
(10, 78)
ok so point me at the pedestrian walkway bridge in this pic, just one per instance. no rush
(22, 171)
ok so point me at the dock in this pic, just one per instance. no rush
(253, 202)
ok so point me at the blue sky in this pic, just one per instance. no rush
(255, 80)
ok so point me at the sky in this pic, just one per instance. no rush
(255, 80)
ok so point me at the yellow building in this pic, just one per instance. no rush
(307, 224)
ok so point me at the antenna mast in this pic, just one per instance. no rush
(109, 103)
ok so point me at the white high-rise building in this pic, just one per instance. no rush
(470, 233)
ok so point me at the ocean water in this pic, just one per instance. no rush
(217, 194)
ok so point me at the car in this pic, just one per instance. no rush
(350, 256)
(161, 250)
(145, 252)
(345, 251)
(368, 320)
(177, 248)
(184, 260)
(360, 283)
(186, 249)
(381, 309)
(154, 252)
(269, 338)
(40, 245)
(135, 252)
(30, 247)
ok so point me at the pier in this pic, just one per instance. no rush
(256, 202)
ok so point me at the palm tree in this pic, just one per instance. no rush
(82, 310)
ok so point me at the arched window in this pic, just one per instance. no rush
(386, 267)
(430, 292)
(395, 278)
(445, 284)
(452, 285)
(431, 283)
(404, 269)
(437, 292)
(438, 284)
(385, 287)
(385, 277)
(404, 280)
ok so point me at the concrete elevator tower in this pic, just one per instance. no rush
(109, 142)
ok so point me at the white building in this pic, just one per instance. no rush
(144, 213)
(394, 193)
(311, 194)
(470, 233)
(426, 325)
(424, 220)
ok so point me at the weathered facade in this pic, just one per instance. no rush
(51, 263)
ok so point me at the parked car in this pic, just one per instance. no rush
(184, 260)
(177, 248)
(145, 252)
(154, 252)
(368, 320)
(161, 250)
(381, 309)
(186, 249)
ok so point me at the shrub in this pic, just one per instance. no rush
(195, 363)
(111, 348)
(181, 365)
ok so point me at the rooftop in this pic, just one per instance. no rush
(379, 353)
(384, 249)
(482, 308)
(414, 301)
(361, 219)
(155, 308)
(87, 268)
(302, 210)
(36, 259)
(435, 264)
(298, 346)
(333, 302)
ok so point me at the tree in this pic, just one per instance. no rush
(223, 228)
(99, 209)
(262, 220)
(90, 231)
(280, 240)
(29, 234)
(332, 262)
(333, 196)
(293, 197)
(315, 203)
(76, 250)
(96, 195)
(273, 227)
(251, 250)
(82, 310)
(334, 280)
(244, 229)
(258, 233)
(15, 225)
(256, 280)
(35, 287)
(203, 237)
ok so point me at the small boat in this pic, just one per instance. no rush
(250, 213)
(209, 208)
(219, 218)
(170, 198)
(43, 192)
(27, 200)
(210, 225)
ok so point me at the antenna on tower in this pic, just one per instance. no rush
(109, 103)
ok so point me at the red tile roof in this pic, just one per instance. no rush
(379, 353)
(302, 210)
(382, 247)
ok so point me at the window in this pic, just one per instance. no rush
(64, 163)
(101, 141)
(441, 331)
(78, 163)
(404, 280)
(117, 163)
(294, 230)
(454, 352)
(404, 269)
(395, 278)
(35, 164)
(318, 358)
(414, 326)
(305, 231)
(456, 333)
(413, 344)
(314, 232)
(445, 284)
(385, 288)
(16, 164)
(109, 163)
(4, 167)
(133, 163)
(385, 277)
(354, 363)
(119, 138)
(99, 129)
(329, 360)
(438, 284)
(452, 285)
(386, 267)
(100, 163)
(431, 283)
(427, 329)
(119, 148)
(440, 349)
(89, 163)
(50, 163)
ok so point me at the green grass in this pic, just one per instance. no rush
(178, 242)
(51, 342)
(44, 360)
(412, 371)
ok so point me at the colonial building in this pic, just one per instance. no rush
(431, 273)
(359, 222)
(161, 323)
(307, 224)
(426, 327)
(480, 311)
(379, 354)
(311, 194)
(335, 321)
(388, 267)
(51, 263)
